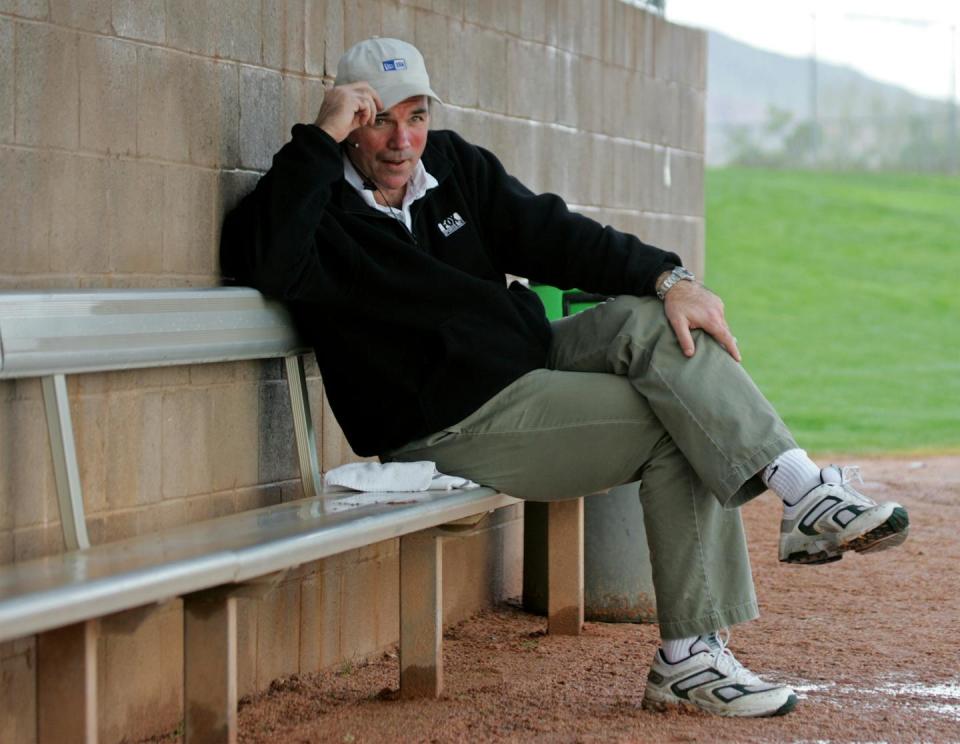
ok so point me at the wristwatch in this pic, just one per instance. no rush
(679, 274)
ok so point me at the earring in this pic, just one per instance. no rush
(354, 145)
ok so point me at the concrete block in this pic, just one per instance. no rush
(301, 102)
(432, 38)
(331, 31)
(18, 697)
(590, 30)
(140, 675)
(590, 91)
(490, 72)
(161, 115)
(277, 448)
(530, 22)
(6, 80)
(688, 184)
(37, 541)
(334, 449)
(134, 236)
(108, 95)
(89, 15)
(666, 113)
(529, 94)
(613, 120)
(619, 31)
(185, 459)
(320, 612)
(191, 26)
(210, 667)
(692, 115)
(464, 77)
(188, 223)
(679, 54)
(261, 117)
(6, 547)
(67, 680)
(24, 210)
(398, 21)
(134, 474)
(79, 217)
(278, 634)
(567, 77)
(215, 114)
(257, 497)
(568, 24)
(358, 608)
(140, 19)
(283, 34)
(47, 87)
(237, 25)
(90, 427)
(452, 8)
(235, 434)
(27, 492)
(26, 8)
(492, 14)
(361, 20)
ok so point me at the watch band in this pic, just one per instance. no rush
(679, 274)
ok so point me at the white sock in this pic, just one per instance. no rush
(792, 476)
(678, 649)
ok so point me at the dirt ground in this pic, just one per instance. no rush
(870, 643)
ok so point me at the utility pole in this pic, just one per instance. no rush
(814, 96)
(954, 144)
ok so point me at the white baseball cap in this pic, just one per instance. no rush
(394, 68)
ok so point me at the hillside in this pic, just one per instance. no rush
(744, 83)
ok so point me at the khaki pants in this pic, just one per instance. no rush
(619, 403)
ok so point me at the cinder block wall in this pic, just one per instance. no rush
(128, 127)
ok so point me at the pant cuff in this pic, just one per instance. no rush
(743, 481)
(712, 621)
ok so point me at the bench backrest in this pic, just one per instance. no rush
(46, 333)
(54, 333)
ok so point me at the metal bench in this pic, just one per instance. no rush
(52, 334)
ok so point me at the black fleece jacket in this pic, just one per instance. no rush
(414, 332)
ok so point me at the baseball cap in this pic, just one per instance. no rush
(394, 68)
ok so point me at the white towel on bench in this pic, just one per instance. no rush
(394, 476)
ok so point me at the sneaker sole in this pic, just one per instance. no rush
(889, 534)
(659, 706)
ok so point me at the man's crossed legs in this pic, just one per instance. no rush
(620, 403)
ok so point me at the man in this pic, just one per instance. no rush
(390, 243)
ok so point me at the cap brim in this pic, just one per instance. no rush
(393, 94)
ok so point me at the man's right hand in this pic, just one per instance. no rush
(346, 107)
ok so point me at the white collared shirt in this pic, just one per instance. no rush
(419, 184)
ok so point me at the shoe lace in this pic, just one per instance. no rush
(727, 663)
(849, 473)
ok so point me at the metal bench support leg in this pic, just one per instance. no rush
(67, 684)
(565, 567)
(210, 667)
(65, 469)
(421, 615)
(303, 426)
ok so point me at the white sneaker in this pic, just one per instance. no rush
(834, 518)
(711, 679)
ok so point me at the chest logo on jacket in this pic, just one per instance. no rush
(449, 225)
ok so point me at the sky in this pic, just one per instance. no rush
(912, 44)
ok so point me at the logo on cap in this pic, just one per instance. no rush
(392, 65)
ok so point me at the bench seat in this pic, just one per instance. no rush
(71, 587)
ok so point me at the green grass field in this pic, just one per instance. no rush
(844, 292)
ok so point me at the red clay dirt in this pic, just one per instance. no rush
(870, 643)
